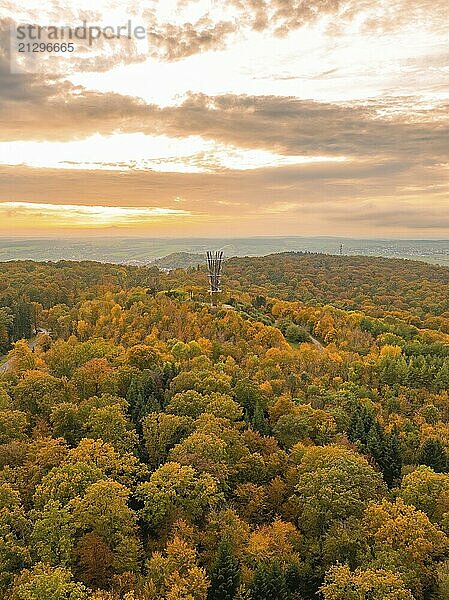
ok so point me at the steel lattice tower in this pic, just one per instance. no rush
(214, 264)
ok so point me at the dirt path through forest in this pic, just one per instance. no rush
(6, 366)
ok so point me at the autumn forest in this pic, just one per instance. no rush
(290, 443)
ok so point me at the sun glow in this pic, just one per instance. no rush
(137, 151)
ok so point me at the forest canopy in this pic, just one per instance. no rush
(290, 443)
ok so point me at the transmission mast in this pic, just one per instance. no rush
(214, 264)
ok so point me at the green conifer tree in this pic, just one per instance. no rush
(375, 441)
(269, 583)
(225, 573)
(434, 456)
(258, 421)
(391, 459)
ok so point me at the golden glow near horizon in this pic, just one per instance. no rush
(85, 216)
(317, 118)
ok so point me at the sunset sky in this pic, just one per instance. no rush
(232, 117)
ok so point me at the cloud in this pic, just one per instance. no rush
(309, 185)
(293, 126)
(388, 16)
(399, 215)
(34, 107)
(102, 55)
(164, 41)
(315, 199)
(394, 179)
(396, 129)
(285, 15)
(216, 26)
(174, 42)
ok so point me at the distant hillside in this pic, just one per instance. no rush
(143, 251)
(348, 282)
(180, 260)
(376, 286)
